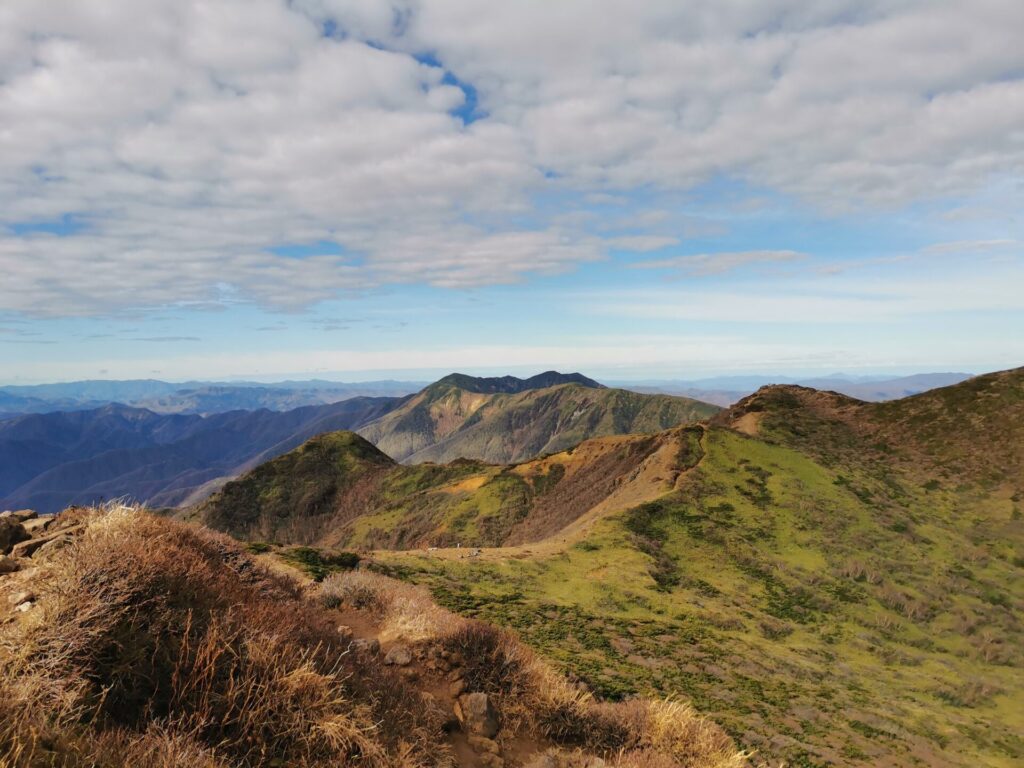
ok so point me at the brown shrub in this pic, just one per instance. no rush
(532, 695)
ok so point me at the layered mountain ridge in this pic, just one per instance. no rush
(52, 460)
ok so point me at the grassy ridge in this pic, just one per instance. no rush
(337, 490)
(150, 643)
(844, 588)
(837, 583)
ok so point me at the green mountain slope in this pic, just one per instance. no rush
(295, 495)
(458, 417)
(339, 490)
(837, 583)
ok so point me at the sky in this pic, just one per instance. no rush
(358, 189)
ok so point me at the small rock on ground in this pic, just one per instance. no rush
(367, 646)
(482, 744)
(12, 532)
(21, 597)
(37, 525)
(399, 655)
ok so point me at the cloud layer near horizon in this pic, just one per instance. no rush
(161, 153)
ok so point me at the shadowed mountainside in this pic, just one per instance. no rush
(49, 461)
(339, 490)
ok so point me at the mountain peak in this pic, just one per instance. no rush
(512, 384)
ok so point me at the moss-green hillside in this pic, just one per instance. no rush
(338, 490)
(294, 496)
(837, 583)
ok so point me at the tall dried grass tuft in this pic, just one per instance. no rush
(155, 643)
(534, 696)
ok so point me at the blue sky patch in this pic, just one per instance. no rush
(305, 250)
(64, 226)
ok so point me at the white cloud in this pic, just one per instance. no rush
(875, 298)
(706, 264)
(641, 243)
(969, 246)
(190, 137)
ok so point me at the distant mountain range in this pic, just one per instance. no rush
(208, 397)
(200, 397)
(726, 390)
(183, 443)
(51, 460)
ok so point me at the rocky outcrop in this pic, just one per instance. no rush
(26, 537)
(20, 515)
(11, 532)
(477, 715)
(48, 541)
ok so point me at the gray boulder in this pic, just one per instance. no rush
(11, 532)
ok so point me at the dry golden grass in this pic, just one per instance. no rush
(157, 644)
(404, 611)
(534, 696)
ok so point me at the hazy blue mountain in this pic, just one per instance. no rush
(48, 461)
(192, 397)
(726, 390)
(51, 460)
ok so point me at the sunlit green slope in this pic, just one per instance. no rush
(837, 583)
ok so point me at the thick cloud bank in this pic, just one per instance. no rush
(180, 151)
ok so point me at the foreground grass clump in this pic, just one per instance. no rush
(153, 643)
(532, 697)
